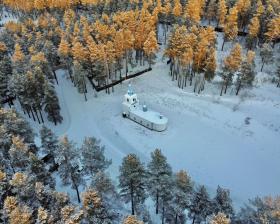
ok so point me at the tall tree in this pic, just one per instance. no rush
(93, 158)
(266, 54)
(159, 178)
(220, 218)
(230, 27)
(200, 207)
(51, 102)
(49, 143)
(68, 169)
(223, 202)
(132, 181)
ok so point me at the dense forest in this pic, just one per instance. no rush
(101, 42)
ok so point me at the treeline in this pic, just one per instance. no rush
(28, 185)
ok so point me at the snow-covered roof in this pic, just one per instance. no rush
(149, 115)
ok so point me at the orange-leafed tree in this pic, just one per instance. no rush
(150, 47)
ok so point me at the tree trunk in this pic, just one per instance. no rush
(132, 199)
(55, 76)
(77, 191)
(278, 84)
(36, 115)
(226, 87)
(193, 220)
(32, 114)
(176, 218)
(162, 218)
(221, 93)
(223, 44)
(238, 88)
(262, 67)
(41, 115)
(157, 197)
(126, 65)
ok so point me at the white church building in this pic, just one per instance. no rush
(133, 110)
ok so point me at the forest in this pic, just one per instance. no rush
(105, 43)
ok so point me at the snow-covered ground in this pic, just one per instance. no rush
(231, 141)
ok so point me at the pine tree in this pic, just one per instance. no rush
(49, 143)
(266, 54)
(223, 202)
(5, 74)
(80, 78)
(200, 207)
(38, 169)
(246, 75)
(220, 218)
(181, 196)
(51, 103)
(159, 180)
(132, 181)
(230, 27)
(68, 169)
(94, 209)
(19, 155)
(93, 158)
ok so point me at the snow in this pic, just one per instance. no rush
(229, 141)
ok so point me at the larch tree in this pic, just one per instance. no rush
(132, 181)
(80, 75)
(230, 27)
(253, 32)
(243, 8)
(64, 52)
(193, 11)
(222, 12)
(150, 47)
(273, 29)
(232, 64)
(278, 75)
(93, 158)
(68, 169)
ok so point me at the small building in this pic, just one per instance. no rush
(133, 110)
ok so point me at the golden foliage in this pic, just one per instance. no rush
(220, 218)
(233, 61)
(131, 220)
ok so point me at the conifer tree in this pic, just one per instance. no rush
(232, 64)
(181, 196)
(68, 169)
(266, 54)
(200, 207)
(253, 31)
(230, 27)
(94, 209)
(93, 158)
(49, 143)
(223, 203)
(159, 179)
(80, 78)
(246, 75)
(222, 12)
(273, 30)
(132, 181)
(51, 103)
(150, 47)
